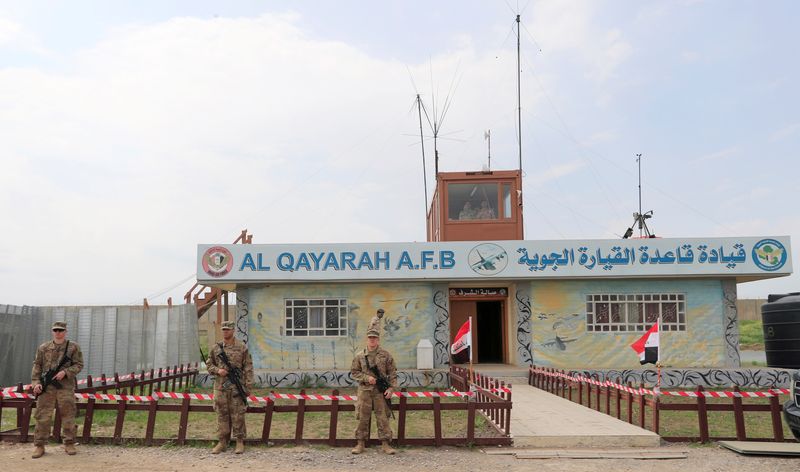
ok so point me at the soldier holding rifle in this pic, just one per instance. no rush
(376, 374)
(55, 367)
(232, 367)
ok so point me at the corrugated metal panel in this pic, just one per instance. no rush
(109, 340)
(113, 339)
(123, 335)
(161, 348)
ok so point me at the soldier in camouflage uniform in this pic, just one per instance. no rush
(229, 406)
(369, 398)
(60, 392)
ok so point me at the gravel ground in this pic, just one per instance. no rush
(15, 457)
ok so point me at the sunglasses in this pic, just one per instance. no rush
(58, 330)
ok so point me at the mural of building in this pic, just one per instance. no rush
(569, 304)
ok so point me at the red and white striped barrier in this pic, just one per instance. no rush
(773, 392)
(257, 399)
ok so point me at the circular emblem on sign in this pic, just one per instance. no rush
(769, 254)
(217, 261)
(487, 259)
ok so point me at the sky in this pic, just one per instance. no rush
(131, 132)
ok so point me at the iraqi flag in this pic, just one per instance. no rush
(647, 346)
(463, 339)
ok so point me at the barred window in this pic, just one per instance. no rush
(635, 312)
(316, 317)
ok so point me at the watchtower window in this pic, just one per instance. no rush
(476, 201)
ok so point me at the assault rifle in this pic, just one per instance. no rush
(381, 383)
(49, 377)
(235, 374)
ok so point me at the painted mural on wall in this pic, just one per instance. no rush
(708, 378)
(441, 331)
(524, 327)
(337, 378)
(731, 324)
(560, 337)
(274, 344)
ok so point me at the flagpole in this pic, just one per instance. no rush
(471, 348)
(658, 359)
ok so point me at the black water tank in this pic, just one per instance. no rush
(781, 318)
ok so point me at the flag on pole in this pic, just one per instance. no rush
(647, 346)
(463, 339)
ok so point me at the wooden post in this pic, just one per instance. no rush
(619, 400)
(301, 413)
(152, 409)
(401, 419)
(267, 420)
(738, 415)
(470, 421)
(89, 414)
(642, 405)
(775, 411)
(630, 404)
(580, 392)
(656, 414)
(24, 419)
(150, 383)
(702, 414)
(183, 424)
(334, 419)
(120, 421)
(437, 421)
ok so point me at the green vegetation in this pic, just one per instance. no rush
(203, 425)
(751, 335)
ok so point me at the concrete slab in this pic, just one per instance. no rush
(763, 448)
(543, 420)
(641, 454)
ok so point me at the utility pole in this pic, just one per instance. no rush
(519, 103)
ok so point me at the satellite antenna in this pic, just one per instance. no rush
(639, 218)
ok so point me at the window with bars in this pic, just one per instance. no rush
(635, 312)
(316, 317)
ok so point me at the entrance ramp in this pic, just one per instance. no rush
(543, 420)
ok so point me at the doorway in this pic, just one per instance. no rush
(488, 330)
(489, 327)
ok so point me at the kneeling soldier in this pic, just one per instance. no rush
(228, 403)
(369, 397)
(57, 361)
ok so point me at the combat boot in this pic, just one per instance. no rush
(220, 447)
(359, 448)
(38, 452)
(70, 449)
(239, 446)
(386, 448)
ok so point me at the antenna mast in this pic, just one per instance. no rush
(422, 144)
(488, 136)
(640, 218)
(639, 162)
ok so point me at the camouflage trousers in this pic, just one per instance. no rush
(369, 401)
(230, 414)
(65, 399)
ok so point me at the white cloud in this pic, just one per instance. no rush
(14, 37)
(167, 135)
(784, 132)
(721, 154)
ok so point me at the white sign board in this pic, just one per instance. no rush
(750, 257)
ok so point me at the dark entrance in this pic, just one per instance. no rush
(489, 328)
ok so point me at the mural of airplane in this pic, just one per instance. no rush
(487, 263)
(558, 343)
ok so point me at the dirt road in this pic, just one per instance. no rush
(16, 457)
